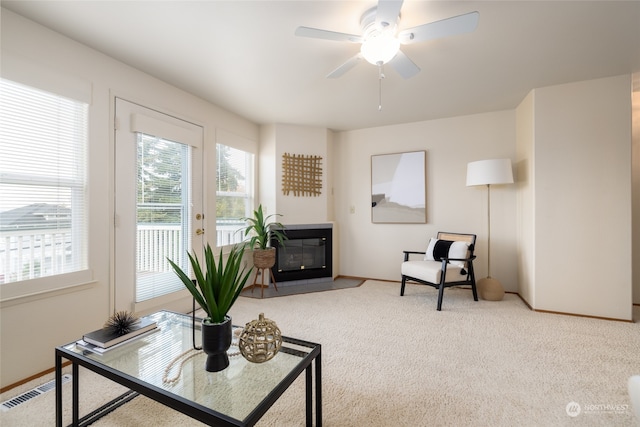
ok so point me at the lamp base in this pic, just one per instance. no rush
(490, 289)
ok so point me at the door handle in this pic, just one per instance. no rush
(200, 231)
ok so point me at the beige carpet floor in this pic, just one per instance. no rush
(396, 361)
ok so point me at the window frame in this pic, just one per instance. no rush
(247, 146)
(80, 92)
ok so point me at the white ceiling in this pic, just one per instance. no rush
(244, 57)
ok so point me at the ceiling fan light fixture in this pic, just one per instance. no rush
(380, 48)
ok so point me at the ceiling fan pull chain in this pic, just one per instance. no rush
(380, 77)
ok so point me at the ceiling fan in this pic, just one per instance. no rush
(381, 40)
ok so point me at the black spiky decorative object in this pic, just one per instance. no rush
(121, 322)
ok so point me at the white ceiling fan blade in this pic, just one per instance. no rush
(316, 33)
(404, 66)
(446, 27)
(388, 12)
(351, 62)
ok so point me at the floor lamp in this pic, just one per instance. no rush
(489, 172)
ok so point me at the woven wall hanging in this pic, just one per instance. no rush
(301, 175)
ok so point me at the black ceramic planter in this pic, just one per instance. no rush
(216, 340)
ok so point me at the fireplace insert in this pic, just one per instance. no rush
(306, 254)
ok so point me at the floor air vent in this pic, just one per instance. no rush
(25, 397)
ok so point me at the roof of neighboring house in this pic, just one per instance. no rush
(35, 217)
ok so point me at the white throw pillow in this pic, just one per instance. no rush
(456, 250)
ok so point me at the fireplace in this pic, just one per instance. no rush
(306, 255)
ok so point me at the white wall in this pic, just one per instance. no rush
(277, 140)
(32, 327)
(582, 212)
(375, 250)
(267, 167)
(525, 182)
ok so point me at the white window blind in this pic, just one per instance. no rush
(43, 226)
(163, 215)
(234, 192)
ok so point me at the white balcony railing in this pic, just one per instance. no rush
(37, 253)
(28, 254)
(156, 243)
(229, 232)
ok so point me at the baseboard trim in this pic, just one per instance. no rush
(584, 315)
(573, 314)
(32, 377)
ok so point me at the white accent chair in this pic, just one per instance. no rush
(448, 261)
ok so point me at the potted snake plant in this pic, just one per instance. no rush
(262, 232)
(215, 290)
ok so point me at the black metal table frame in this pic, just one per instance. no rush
(185, 406)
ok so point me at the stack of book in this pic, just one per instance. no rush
(104, 339)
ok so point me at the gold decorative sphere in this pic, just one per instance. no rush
(260, 340)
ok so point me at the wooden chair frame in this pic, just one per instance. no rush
(470, 278)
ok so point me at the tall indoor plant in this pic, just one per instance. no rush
(262, 232)
(215, 290)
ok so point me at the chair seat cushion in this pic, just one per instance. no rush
(431, 271)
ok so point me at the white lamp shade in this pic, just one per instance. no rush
(486, 172)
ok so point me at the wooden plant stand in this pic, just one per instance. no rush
(262, 285)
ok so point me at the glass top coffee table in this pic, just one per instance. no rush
(238, 396)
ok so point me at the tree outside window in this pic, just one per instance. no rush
(234, 195)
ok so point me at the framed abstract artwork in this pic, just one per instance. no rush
(398, 188)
